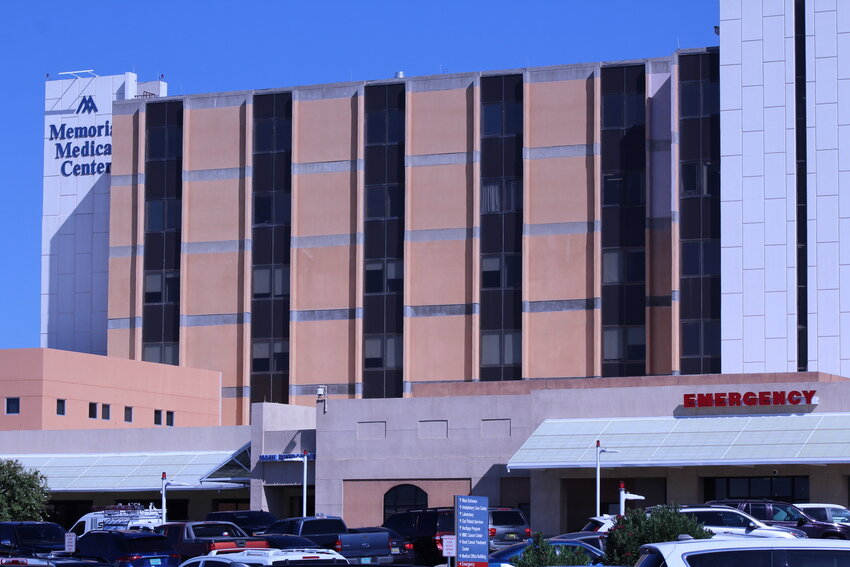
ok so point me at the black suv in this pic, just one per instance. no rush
(31, 538)
(424, 527)
(775, 513)
(252, 521)
(127, 548)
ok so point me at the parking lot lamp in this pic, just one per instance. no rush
(599, 451)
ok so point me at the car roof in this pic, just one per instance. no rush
(135, 534)
(747, 543)
(817, 505)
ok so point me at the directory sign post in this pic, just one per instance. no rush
(471, 528)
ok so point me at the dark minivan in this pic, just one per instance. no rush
(128, 548)
(775, 513)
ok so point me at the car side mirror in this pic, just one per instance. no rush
(751, 526)
(801, 522)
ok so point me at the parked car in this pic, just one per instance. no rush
(330, 532)
(745, 552)
(600, 524)
(596, 539)
(29, 539)
(507, 527)
(254, 522)
(503, 557)
(725, 520)
(401, 547)
(282, 556)
(191, 539)
(50, 561)
(425, 527)
(831, 513)
(775, 513)
(128, 548)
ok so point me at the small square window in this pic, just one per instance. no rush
(128, 414)
(92, 410)
(104, 411)
(13, 406)
(60, 407)
(157, 417)
(169, 418)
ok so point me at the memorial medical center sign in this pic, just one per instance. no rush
(739, 399)
(82, 150)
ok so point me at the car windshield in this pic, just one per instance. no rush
(507, 518)
(217, 530)
(328, 526)
(254, 518)
(41, 533)
(786, 513)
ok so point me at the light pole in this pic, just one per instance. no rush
(599, 451)
(165, 484)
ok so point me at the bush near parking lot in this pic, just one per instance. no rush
(23, 492)
(637, 527)
(540, 553)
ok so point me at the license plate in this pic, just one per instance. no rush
(156, 561)
(511, 536)
(395, 550)
(365, 560)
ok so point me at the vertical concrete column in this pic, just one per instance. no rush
(547, 502)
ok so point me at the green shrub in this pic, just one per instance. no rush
(541, 553)
(637, 527)
(23, 492)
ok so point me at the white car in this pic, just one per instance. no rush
(259, 556)
(725, 520)
(745, 552)
(832, 513)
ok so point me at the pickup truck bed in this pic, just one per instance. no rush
(191, 539)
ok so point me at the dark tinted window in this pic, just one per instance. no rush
(323, 527)
(506, 518)
(739, 558)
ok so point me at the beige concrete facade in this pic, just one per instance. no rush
(561, 250)
(58, 390)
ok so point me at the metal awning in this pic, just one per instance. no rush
(236, 469)
(815, 439)
(128, 472)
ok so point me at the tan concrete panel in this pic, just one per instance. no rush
(440, 348)
(41, 376)
(122, 211)
(440, 122)
(560, 190)
(559, 267)
(213, 136)
(324, 203)
(440, 196)
(322, 352)
(210, 283)
(558, 344)
(662, 352)
(124, 143)
(324, 278)
(438, 273)
(325, 130)
(560, 113)
(233, 411)
(120, 285)
(215, 347)
(118, 343)
(363, 502)
(659, 253)
(212, 210)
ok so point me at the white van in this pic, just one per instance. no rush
(119, 517)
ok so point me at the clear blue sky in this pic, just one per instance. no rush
(214, 46)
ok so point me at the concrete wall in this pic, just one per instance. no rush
(40, 377)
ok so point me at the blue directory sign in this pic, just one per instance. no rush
(471, 527)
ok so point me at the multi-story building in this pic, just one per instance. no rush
(629, 250)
